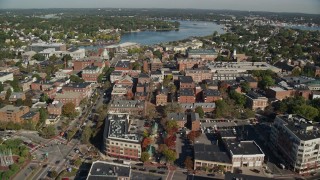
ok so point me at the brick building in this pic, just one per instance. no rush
(211, 95)
(186, 82)
(186, 96)
(161, 99)
(278, 93)
(121, 139)
(256, 101)
(55, 108)
(84, 88)
(199, 74)
(10, 113)
(66, 97)
(156, 64)
(91, 73)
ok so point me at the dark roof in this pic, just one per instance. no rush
(210, 152)
(254, 95)
(211, 92)
(108, 170)
(78, 85)
(233, 176)
(177, 116)
(283, 66)
(185, 79)
(243, 147)
(144, 75)
(186, 92)
(246, 79)
(28, 115)
(123, 64)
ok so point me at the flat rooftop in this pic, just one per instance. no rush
(243, 147)
(210, 152)
(108, 170)
(119, 126)
(78, 85)
(303, 128)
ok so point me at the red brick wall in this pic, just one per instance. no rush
(186, 99)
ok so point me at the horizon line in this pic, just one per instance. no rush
(287, 12)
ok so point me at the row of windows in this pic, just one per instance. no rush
(126, 145)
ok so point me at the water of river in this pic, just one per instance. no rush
(187, 29)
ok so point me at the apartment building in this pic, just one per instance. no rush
(121, 137)
(84, 88)
(297, 140)
(199, 74)
(161, 99)
(10, 113)
(127, 106)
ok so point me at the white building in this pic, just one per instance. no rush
(6, 76)
(297, 140)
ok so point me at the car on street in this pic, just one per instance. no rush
(142, 169)
(134, 168)
(161, 172)
(163, 167)
(152, 171)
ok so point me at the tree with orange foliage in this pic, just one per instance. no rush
(193, 135)
(146, 142)
(170, 141)
(129, 95)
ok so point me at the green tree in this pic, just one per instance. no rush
(145, 157)
(157, 54)
(170, 155)
(44, 98)
(53, 174)
(8, 94)
(1, 87)
(266, 82)
(86, 135)
(222, 109)
(48, 132)
(200, 111)
(67, 57)
(245, 87)
(19, 102)
(76, 79)
(248, 113)
(39, 57)
(77, 162)
(240, 99)
(306, 111)
(43, 115)
(69, 110)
